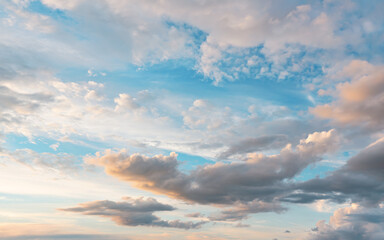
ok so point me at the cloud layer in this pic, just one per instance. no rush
(132, 212)
(253, 183)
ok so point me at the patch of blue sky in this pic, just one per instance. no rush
(313, 171)
(57, 14)
(372, 44)
(33, 207)
(68, 24)
(323, 168)
(296, 218)
(190, 162)
(297, 65)
(197, 35)
(3, 13)
(180, 79)
(43, 145)
(282, 94)
(173, 75)
(76, 74)
(20, 199)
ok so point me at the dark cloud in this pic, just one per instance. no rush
(255, 183)
(361, 179)
(133, 212)
(254, 144)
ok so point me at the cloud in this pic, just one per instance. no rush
(132, 212)
(124, 101)
(55, 146)
(61, 162)
(360, 101)
(260, 178)
(33, 231)
(254, 144)
(360, 180)
(115, 31)
(195, 215)
(223, 38)
(203, 115)
(354, 222)
(17, 107)
(21, 103)
(241, 211)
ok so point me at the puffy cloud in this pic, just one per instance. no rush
(261, 178)
(92, 95)
(124, 101)
(217, 34)
(359, 101)
(202, 114)
(354, 222)
(132, 212)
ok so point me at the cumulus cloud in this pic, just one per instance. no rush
(132, 212)
(259, 178)
(359, 101)
(202, 114)
(125, 102)
(353, 222)
(216, 34)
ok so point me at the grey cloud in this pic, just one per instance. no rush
(260, 178)
(360, 179)
(241, 225)
(255, 144)
(16, 108)
(61, 162)
(301, 197)
(20, 102)
(20, 61)
(354, 222)
(195, 215)
(134, 212)
(375, 217)
(241, 211)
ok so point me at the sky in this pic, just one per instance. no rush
(191, 119)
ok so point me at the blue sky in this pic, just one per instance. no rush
(191, 119)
